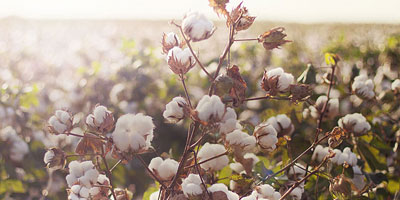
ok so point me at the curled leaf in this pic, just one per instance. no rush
(273, 38)
(238, 91)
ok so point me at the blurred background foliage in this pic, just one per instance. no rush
(48, 65)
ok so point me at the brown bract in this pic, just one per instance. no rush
(178, 67)
(90, 143)
(58, 161)
(336, 136)
(245, 20)
(270, 84)
(273, 38)
(167, 46)
(238, 91)
(300, 92)
(219, 6)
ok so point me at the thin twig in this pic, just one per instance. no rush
(115, 165)
(108, 172)
(304, 178)
(199, 172)
(186, 91)
(245, 39)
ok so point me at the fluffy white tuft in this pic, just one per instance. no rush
(191, 185)
(363, 87)
(174, 110)
(210, 151)
(165, 169)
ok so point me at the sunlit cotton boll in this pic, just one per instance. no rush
(210, 151)
(133, 133)
(276, 80)
(79, 192)
(180, 61)
(165, 169)
(222, 187)
(210, 108)
(282, 124)
(297, 193)
(332, 109)
(297, 171)
(101, 119)
(355, 123)
(174, 110)
(197, 27)
(191, 185)
(169, 41)
(363, 87)
(238, 167)
(60, 122)
(266, 136)
(241, 140)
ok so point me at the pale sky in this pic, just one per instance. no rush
(304, 11)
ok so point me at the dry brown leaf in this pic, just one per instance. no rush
(89, 144)
(219, 6)
(238, 91)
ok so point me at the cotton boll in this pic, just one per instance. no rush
(63, 116)
(337, 155)
(84, 192)
(355, 123)
(174, 110)
(180, 61)
(210, 108)
(241, 139)
(209, 151)
(71, 179)
(94, 191)
(229, 122)
(276, 80)
(133, 133)
(266, 136)
(320, 153)
(282, 124)
(266, 191)
(165, 169)
(75, 189)
(363, 87)
(332, 109)
(191, 185)
(75, 169)
(197, 27)
(57, 125)
(92, 175)
(221, 187)
(236, 167)
(48, 156)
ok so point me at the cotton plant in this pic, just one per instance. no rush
(219, 143)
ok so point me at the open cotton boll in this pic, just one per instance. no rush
(266, 136)
(332, 109)
(60, 122)
(197, 27)
(337, 155)
(210, 151)
(241, 139)
(180, 61)
(75, 169)
(165, 169)
(222, 187)
(229, 122)
(363, 87)
(63, 116)
(347, 156)
(320, 153)
(266, 191)
(172, 39)
(48, 156)
(133, 133)
(355, 123)
(282, 124)
(210, 108)
(57, 125)
(191, 185)
(276, 80)
(174, 109)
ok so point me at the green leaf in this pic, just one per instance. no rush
(11, 185)
(371, 155)
(377, 178)
(224, 175)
